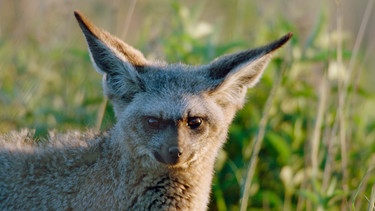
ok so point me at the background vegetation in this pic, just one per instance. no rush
(305, 139)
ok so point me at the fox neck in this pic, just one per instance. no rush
(165, 188)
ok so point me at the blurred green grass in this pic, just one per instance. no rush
(47, 82)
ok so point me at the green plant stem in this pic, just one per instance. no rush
(101, 112)
(258, 141)
(360, 189)
(341, 103)
(315, 141)
(128, 19)
(103, 105)
(371, 206)
(356, 72)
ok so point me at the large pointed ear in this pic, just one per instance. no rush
(116, 60)
(233, 74)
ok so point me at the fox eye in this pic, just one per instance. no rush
(194, 122)
(154, 123)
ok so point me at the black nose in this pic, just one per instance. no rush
(174, 152)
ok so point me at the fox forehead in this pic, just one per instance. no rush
(172, 105)
(175, 79)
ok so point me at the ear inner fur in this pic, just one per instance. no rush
(236, 72)
(221, 66)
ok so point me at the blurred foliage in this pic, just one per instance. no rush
(55, 87)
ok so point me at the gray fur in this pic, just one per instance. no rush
(171, 122)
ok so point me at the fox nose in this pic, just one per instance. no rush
(174, 152)
(169, 155)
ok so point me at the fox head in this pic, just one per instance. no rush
(173, 114)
